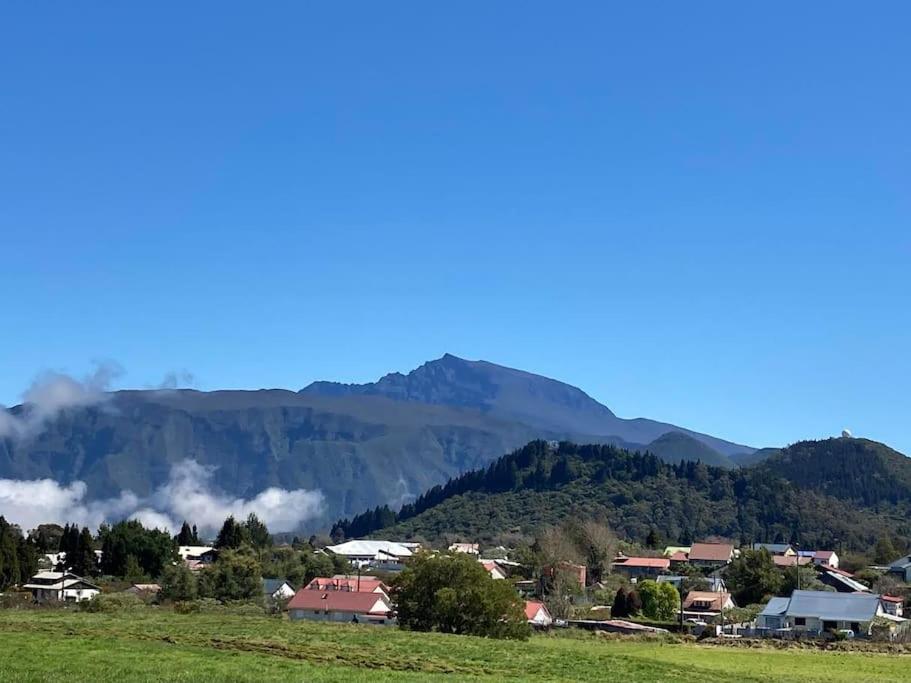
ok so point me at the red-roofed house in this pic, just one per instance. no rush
(711, 555)
(364, 584)
(537, 614)
(315, 605)
(641, 566)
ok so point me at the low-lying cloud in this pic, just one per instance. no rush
(188, 495)
(53, 392)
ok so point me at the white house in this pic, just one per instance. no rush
(387, 555)
(537, 614)
(815, 612)
(277, 589)
(63, 586)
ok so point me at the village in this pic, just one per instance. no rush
(684, 589)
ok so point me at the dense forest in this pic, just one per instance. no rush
(837, 493)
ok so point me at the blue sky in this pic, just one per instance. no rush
(696, 212)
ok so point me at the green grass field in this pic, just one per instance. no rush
(155, 645)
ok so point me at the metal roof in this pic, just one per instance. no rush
(776, 607)
(833, 606)
(370, 549)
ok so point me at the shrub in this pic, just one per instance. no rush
(112, 602)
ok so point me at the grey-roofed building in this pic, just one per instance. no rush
(814, 612)
(902, 568)
(775, 548)
(277, 589)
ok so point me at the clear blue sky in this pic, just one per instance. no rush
(695, 212)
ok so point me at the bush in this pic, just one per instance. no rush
(112, 602)
(455, 594)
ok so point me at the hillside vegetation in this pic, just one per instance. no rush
(635, 493)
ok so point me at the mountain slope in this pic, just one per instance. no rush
(514, 395)
(361, 446)
(676, 446)
(539, 485)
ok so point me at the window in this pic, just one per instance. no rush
(800, 621)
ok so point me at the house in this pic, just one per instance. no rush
(901, 568)
(277, 589)
(386, 555)
(711, 555)
(345, 606)
(468, 548)
(815, 612)
(357, 584)
(840, 580)
(826, 557)
(495, 570)
(62, 586)
(783, 549)
(707, 603)
(641, 567)
(144, 589)
(537, 614)
(197, 556)
(893, 605)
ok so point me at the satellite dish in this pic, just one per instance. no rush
(846, 434)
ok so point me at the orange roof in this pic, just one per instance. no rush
(532, 607)
(711, 552)
(678, 556)
(716, 600)
(892, 598)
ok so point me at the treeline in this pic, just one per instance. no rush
(131, 552)
(639, 495)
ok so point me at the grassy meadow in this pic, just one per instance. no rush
(155, 645)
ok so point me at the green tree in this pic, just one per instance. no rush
(620, 608)
(80, 558)
(257, 532)
(28, 559)
(234, 576)
(232, 535)
(753, 576)
(47, 538)
(454, 594)
(187, 535)
(9, 555)
(809, 580)
(885, 551)
(178, 583)
(659, 600)
(152, 548)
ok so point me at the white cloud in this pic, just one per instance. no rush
(188, 494)
(53, 392)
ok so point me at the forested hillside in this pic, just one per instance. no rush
(637, 492)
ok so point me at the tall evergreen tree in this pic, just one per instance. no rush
(232, 534)
(187, 536)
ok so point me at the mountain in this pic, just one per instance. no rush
(516, 396)
(360, 445)
(814, 492)
(676, 446)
